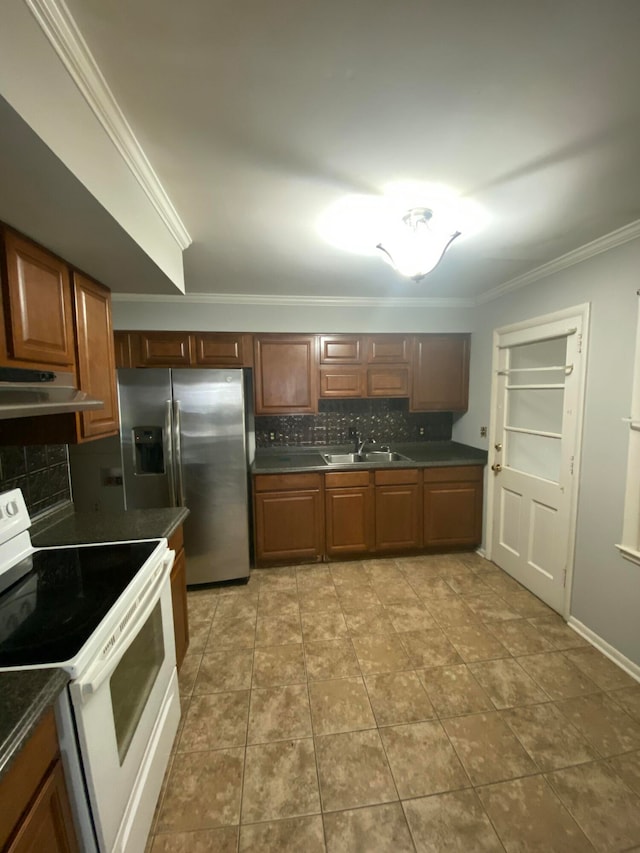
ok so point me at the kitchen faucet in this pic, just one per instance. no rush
(360, 443)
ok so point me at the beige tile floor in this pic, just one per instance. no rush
(420, 704)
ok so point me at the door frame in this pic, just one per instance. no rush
(576, 312)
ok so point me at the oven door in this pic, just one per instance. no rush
(126, 712)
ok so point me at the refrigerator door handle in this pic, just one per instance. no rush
(178, 451)
(168, 450)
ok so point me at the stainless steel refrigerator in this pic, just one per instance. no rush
(186, 441)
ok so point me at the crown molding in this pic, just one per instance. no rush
(576, 256)
(66, 39)
(295, 300)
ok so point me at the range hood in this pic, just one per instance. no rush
(26, 393)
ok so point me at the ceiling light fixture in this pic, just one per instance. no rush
(415, 245)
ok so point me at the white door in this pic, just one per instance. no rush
(536, 426)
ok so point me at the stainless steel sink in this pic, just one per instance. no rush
(359, 458)
(383, 456)
(342, 458)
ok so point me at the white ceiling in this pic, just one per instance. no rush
(256, 116)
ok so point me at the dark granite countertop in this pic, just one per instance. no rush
(425, 454)
(24, 698)
(81, 528)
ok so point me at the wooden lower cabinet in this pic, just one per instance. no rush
(341, 514)
(179, 596)
(35, 813)
(398, 515)
(349, 513)
(289, 517)
(452, 506)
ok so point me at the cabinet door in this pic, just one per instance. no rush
(289, 525)
(122, 348)
(344, 381)
(96, 357)
(388, 349)
(222, 349)
(440, 373)
(388, 381)
(39, 307)
(349, 520)
(35, 812)
(398, 515)
(341, 349)
(165, 349)
(48, 825)
(285, 374)
(453, 507)
(179, 604)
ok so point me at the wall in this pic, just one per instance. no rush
(41, 472)
(606, 588)
(198, 313)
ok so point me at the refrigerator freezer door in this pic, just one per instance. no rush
(145, 437)
(214, 473)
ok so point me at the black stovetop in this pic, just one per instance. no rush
(49, 614)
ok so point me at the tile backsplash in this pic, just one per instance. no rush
(386, 420)
(41, 471)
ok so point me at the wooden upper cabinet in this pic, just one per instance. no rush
(342, 381)
(123, 350)
(341, 349)
(38, 306)
(96, 357)
(388, 381)
(164, 349)
(183, 349)
(286, 374)
(388, 349)
(222, 349)
(440, 376)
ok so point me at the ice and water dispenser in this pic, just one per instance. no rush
(148, 450)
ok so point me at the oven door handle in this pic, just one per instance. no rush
(91, 682)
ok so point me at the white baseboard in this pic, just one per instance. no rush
(481, 553)
(610, 651)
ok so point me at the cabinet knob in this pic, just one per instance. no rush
(496, 468)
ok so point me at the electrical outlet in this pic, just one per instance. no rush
(421, 430)
(483, 432)
(272, 436)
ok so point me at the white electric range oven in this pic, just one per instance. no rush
(103, 614)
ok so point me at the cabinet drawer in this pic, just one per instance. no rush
(453, 474)
(346, 479)
(388, 477)
(282, 482)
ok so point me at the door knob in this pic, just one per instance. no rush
(497, 467)
(498, 446)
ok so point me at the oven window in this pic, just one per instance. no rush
(133, 679)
